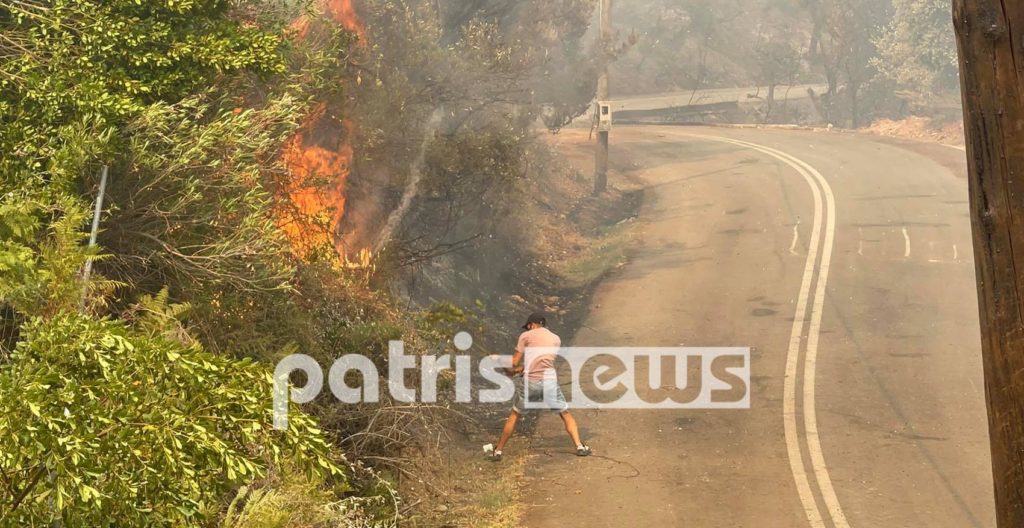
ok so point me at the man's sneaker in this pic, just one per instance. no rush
(583, 450)
(492, 455)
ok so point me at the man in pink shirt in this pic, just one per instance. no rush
(540, 385)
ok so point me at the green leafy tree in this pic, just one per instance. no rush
(918, 52)
(102, 424)
(843, 49)
(778, 62)
(192, 210)
(168, 93)
(107, 423)
(104, 61)
(39, 260)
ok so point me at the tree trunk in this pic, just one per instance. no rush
(992, 79)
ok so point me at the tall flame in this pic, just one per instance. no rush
(316, 185)
(319, 157)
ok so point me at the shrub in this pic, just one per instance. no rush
(103, 425)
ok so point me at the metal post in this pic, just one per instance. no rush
(601, 153)
(95, 228)
(601, 163)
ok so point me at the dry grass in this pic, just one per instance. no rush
(498, 504)
(596, 258)
(921, 129)
(477, 492)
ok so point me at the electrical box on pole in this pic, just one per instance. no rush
(604, 116)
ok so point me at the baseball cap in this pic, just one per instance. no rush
(535, 317)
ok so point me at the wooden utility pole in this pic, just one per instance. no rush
(603, 40)
(992, 80)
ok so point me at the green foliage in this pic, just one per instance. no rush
(41, 253)
(190, 212)
(296, 501)
(65, 60)
(103, 425)
(484, 155)
(917, 50)
(142, 417)
(155, 315)
(128, 425)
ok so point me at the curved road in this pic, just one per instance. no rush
(845, 262)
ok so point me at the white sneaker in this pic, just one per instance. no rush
(492, 455)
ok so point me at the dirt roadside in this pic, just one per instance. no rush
(550, 257)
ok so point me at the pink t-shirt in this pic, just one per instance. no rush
(541, 363)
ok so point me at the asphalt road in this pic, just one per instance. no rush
(867, 405)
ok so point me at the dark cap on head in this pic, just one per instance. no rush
(535, 317)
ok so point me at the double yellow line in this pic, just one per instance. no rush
(808, 314)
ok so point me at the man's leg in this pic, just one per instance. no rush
(506, 433)
(571, 428)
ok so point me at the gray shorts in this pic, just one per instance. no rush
(539, 395)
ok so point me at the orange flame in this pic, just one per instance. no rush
(316, 188)
(342, 12)
(319, 169)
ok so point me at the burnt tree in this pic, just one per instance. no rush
(990, 38)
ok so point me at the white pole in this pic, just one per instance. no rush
(95, 226)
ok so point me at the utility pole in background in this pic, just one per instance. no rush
(992, 82)
(604, 16)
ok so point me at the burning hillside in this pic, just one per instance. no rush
(319, 158)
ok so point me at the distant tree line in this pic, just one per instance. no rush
(875, 57)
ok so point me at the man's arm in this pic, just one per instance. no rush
(517, 363)
(517, 356)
